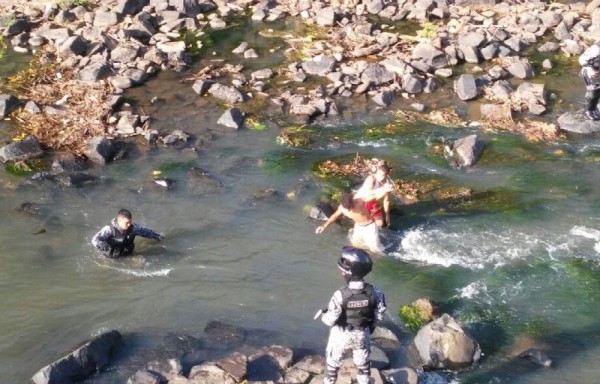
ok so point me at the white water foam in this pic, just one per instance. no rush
(468, 248)
(374, 144)
(137, 272)
(588, 233)
(474, 289)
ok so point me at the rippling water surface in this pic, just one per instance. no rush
(518, 270)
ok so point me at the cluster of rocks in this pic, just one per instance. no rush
(127, 41)
(442, 344)
(464, 34)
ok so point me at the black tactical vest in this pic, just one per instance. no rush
(122, 243)
(358, 307)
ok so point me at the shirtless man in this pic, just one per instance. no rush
(366, 232)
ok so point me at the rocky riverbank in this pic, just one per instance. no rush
(90, 52)
(219, 357)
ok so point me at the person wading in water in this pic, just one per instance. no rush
(117, 238)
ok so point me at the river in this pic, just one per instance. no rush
(518, 267)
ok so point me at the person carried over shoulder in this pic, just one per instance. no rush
(371, 192)
(590, 71)
(365, 230)
(117, 238)
(352, 313)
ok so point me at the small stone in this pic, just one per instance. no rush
(384, 98)
(28, 148)
(31, 107)
(250, 54)
(547, 64)
(240, 48)
(232, 118)
(418, 107)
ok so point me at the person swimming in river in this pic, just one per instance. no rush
(365, 232)
(378, 180)
(117, 238)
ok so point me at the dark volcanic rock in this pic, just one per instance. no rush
(87, 359)
(28, 148)
(175, 136)
(376, 74)
(100, 150)
(7, 104)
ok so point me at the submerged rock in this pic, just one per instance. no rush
(537, 356)
(90, 358)
(228, 94)
(200, 182)
(223, 335)
(165, 369)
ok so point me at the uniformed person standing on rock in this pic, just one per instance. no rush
(117, 238)
(590, 71)
(352, 314)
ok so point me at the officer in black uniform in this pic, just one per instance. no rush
(117, 238)
(352, 314)
(590, 71)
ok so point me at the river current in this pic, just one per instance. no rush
(518, 270)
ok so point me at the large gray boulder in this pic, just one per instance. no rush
(28, 148)
(534, 95)
(465, 87)
(7, 104)
(90, 358)
(442, 344)
(576, 122)
(319, 66)
(100, 150)
(467, 150)
(376, 74)
(225, 93)
(74, 45)
(521, 69)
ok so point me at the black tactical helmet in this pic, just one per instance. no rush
(355, 262)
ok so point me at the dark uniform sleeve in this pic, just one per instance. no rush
(100, 240)
(138, 230)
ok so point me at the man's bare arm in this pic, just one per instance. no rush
(331, 219)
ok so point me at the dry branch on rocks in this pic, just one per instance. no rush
(73, 111)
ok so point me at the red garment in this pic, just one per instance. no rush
(374, 209)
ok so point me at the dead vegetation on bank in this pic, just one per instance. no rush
(71, 111)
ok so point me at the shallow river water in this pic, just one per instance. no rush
(517, 269)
